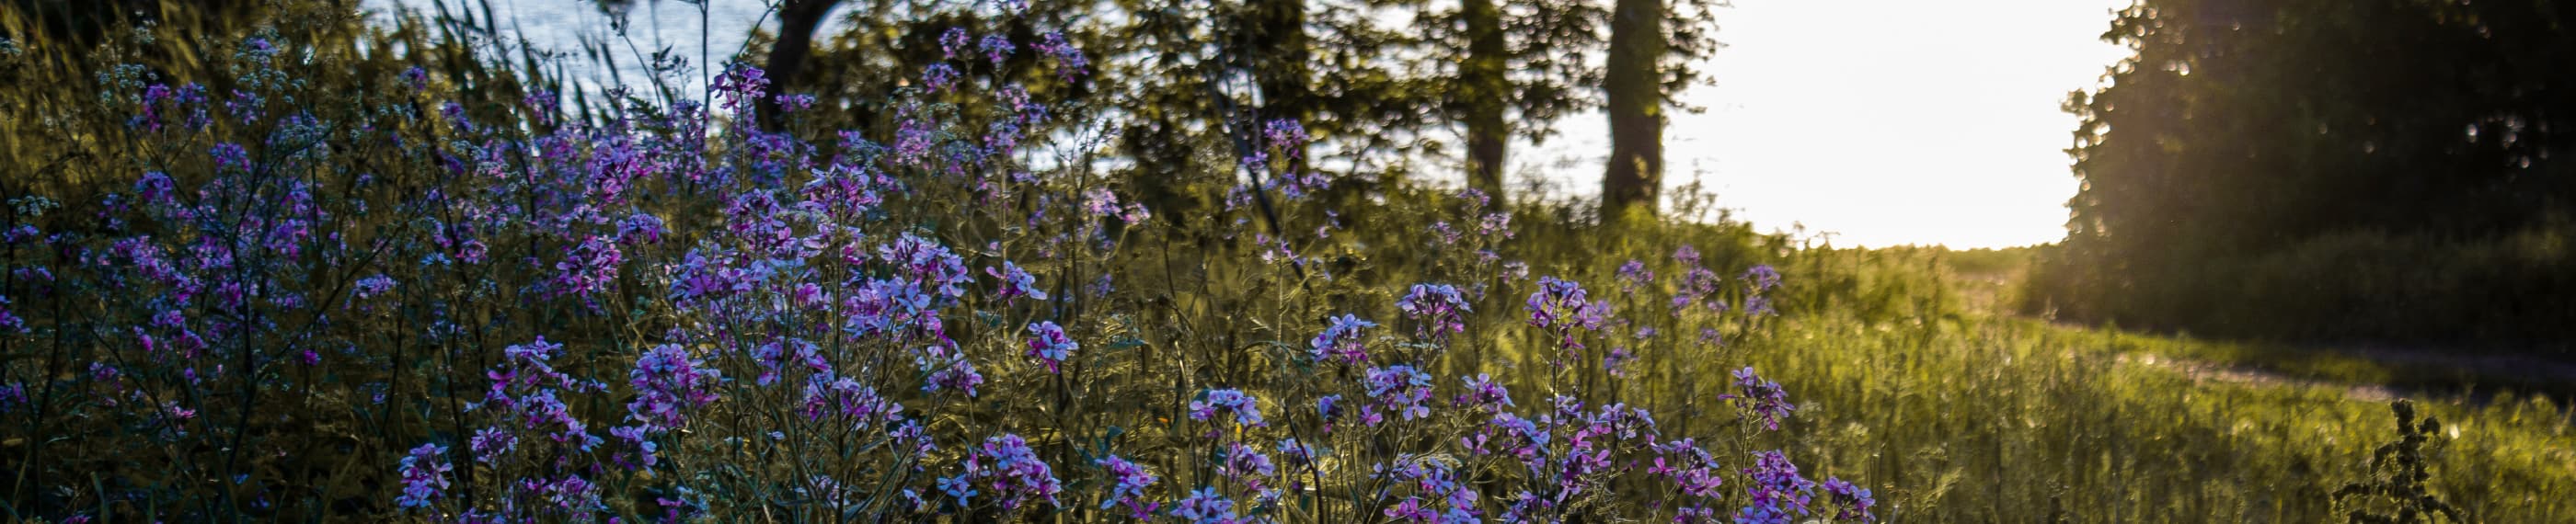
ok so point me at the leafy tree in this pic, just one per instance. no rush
(2240, 131)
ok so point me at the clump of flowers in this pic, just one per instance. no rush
(1562, 305)
(787, 323)
(1777, 493)
(1205, 506)
(1214, 404)
(1399, 389)
(1246, 465)
(1437, 310)
(668, 380)
(1634, 275)
(1763, 400)
(1342, 341)
(1049, 344)
(1484, 392)
(1016, 282)
(424, 476)
(1006, 465)
(1850, 502)
(1127, 484)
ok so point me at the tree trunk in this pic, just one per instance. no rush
(1279, 59)
(1485, 89)
(797, 21)
(1635, 172)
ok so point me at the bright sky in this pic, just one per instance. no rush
(1885, 122)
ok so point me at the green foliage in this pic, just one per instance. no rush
(2314, 168)
(2008, 420)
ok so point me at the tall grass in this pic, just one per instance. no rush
(2016, 420)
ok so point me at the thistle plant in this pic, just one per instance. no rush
(2399, 487)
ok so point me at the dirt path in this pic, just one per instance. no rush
(2511, 368)
(2206, 371)
(2427, 372)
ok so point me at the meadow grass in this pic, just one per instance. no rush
(2007, 419)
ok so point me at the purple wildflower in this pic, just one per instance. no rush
(1127, 483)
(949, 371)
(1634, 274)
(1699, 284)
(1778, 494)
(939, 77)
(1069, 61)
(1329, 407)
(1286, 136)
(424, 476)
(668, 379)
(1437, 310)
(640, 228)
(927, 262)
(1100, 202)
(1691, 469)
(741, 86)
(775, 356)
(1762, 277)
(951, 41)
(1484, 392)
(588, 268)
(960, 488)
(1205, 506)
(1016, 282)
(1342, 340)
(1563, 307)
(1246, 410)
(1007, 465)
(1298, 453)
(1764, 399)
(1563, 303)
(231, 156)
(489, 443)
(849, 399)
(996, 48)
(1850, 502)
(1246, 464)
(913, 140)
(1401, 389)
(1495, 224)
(373, 285)
(1049, 344)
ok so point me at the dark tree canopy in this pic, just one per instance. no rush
(2298, 135)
